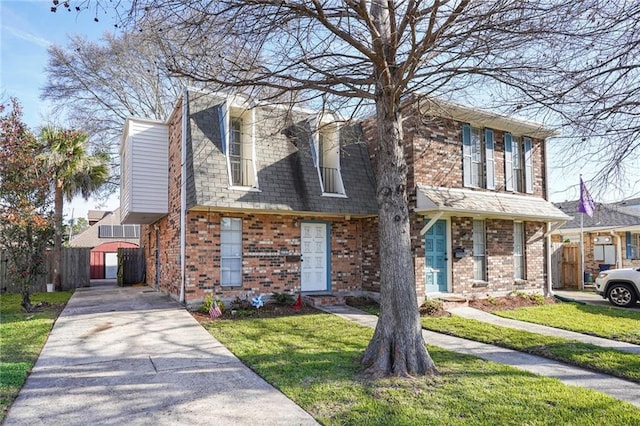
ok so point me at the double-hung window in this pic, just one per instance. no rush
(518, 163)
(479, 254)
(478, 157)
(518, 251)
(231, 251)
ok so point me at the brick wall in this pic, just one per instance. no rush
(267, 241)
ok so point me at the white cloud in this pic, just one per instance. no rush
(31, 38)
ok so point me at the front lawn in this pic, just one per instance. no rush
(22, 337)
(314, 360)
(592, 357)
(608, 322)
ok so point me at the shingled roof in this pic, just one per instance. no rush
(287, 177)
(606, 216)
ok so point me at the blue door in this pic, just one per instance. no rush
(435, 252)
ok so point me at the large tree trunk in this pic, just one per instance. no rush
(397, 347)
(57, 239)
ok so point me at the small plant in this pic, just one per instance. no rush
(492, 300)
(282, 298)
(208, 302)
(240, 303)
(431, 307)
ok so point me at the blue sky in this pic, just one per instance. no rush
(27, 28)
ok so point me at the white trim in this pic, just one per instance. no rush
(334, 195)
(429, 224)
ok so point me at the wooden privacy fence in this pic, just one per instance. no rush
(571, 267)
(75, 271)
(131, 266)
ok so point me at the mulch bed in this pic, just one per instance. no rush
(272, 310)
(269, 310)
(508, 302)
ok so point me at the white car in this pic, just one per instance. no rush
(620, 286)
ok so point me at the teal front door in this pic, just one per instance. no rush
(435, 252)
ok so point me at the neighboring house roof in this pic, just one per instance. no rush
(606, 217)
(287, 180)
(489, 204)
(91, 236)
(95, 215)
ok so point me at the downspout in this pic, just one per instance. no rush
(183, 194)
(549, 292)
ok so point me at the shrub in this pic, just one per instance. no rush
(431, 306)
(282, 298)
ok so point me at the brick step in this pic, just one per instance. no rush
(449, 302)
(322, 300)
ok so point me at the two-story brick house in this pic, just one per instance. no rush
(480, 216)
(239, 198)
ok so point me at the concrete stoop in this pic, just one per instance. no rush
(317, 300)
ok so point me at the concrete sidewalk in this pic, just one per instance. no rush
(617, 388)
(482, 316)
(133, 356)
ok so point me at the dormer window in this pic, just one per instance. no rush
(240, 149)
(326, 155)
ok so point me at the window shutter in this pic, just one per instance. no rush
(466, 155)
(222, 113)
(627, 238)
(528, 166)
(489, 155)
(508, 162)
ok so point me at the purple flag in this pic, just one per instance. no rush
(586, 206)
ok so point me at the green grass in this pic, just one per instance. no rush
(22, 337)
(592, 357)
(314, 360)
(608, 322)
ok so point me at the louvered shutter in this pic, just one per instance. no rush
(466, 155)
(490, 161)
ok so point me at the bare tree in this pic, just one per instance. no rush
(591, 90)
(357, 54)
(99, 84)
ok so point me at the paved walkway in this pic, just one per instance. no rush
(479, 315)
(617, 388)
(133, 356)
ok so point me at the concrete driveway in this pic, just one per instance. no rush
(133, 356)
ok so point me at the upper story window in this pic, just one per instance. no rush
(478, 157)
(518, 164)
(237, 126)
(325, 150)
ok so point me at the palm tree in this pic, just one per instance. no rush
(73, 172)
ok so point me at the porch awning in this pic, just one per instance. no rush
(486, 204)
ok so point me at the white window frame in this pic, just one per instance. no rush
(325, 146)
(479, 250)
(478, 153)
(518, 153)
(230, 252)
(248, 171)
